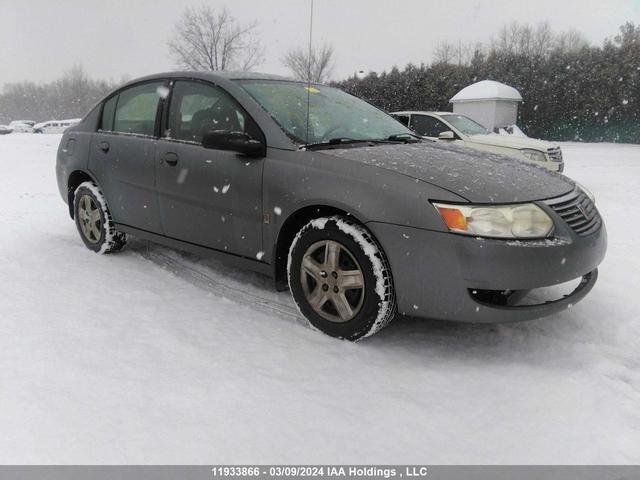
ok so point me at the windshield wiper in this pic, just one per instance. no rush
(336, 141)
(404, 137)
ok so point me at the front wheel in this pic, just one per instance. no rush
(94, 221)
(340, 278)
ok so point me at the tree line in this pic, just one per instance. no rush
(571, 90)
(71, 96)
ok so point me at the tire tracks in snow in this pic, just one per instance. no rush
(185, 269)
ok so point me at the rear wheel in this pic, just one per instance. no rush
(340, 278)
(94, 221)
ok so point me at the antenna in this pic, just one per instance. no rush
(309, 59)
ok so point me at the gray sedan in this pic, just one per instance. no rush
(330, 196)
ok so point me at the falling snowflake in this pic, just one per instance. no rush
(182, 176)
(259, 255)
(277, 210)
(225, 189)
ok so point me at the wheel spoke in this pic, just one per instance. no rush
(94, 215)
(95, 231)
(331, 256)
(350, 279)
(317, 298)
(87, 204)
(342, 306)
(312, 267)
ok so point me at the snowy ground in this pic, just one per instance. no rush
(152, 356)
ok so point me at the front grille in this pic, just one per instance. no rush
(578, 211)
(555, 154)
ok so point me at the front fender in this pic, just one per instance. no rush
(294, 180)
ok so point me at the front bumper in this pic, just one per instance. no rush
(435, 272)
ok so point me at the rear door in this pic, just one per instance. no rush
(123, 155)
(211, 198)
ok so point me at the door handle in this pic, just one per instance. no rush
(170, 159)
(104, 146)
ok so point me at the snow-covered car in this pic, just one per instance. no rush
(5, 129)
(22, 126)
(333, 198)
(460, 129)
(55, 126)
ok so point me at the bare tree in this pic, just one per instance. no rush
(461, 53)
(317, 69)
(571, 41)
(206, 39)
(444, 52)
(541, 41)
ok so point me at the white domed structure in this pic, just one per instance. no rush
(490, 103)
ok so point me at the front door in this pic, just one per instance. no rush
(211, 198)
(123, 155)
(428, 126)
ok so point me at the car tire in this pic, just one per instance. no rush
(94, 221)
(340, 279)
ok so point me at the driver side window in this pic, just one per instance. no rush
(197, 108)
(428, 126)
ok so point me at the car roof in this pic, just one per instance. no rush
(421, 112)
(214, 76)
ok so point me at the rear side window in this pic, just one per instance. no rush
(108, 112)
(428, 126)
(136, 109)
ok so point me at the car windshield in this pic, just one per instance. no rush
(466, 125)
(333, 114)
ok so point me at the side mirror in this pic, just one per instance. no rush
(448, 135)
(233, 141)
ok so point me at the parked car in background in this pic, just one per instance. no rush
(333, 198)
(5, 129)
(460, 129)
(22, 126)
(55, 126)
(31, 123)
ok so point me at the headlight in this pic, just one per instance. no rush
(506, 221)
(534, 155)
(587, 192)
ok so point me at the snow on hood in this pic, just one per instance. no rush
(510, 141)
(476, 176)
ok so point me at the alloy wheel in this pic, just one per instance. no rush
(332, 281)
(89, 219)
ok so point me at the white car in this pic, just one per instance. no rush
(22, 126)
(55, 126)
(4, 129)
(460, 129)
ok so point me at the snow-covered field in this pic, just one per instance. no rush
(154, 356)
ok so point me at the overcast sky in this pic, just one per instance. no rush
(40, 39)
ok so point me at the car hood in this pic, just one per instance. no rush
(475, 176)
(510, 141)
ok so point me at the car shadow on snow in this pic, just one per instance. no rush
(520, 340)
